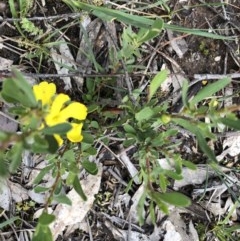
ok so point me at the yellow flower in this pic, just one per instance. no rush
(44, 92)
(74, 135)
(61, 111)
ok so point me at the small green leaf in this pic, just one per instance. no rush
(91, 150)
(189, 165)
(129, 129)
(45, 219)
(78, 188)
(173, 175)
(57, 129)
(175, 198)
(158, 141)
(209, 90)
(17, 89)
(152, 212)
(201, 140)
(87, 138)
(8, 222)
(58, 188)
(39, 189)
(42, 173)
(155, 196)
(62, 198)
(156, 82)
(15, 157)
(92, 108)
(235, 124)
(162, 182)
(152, 32)
(94, 124)
(40, 145)
(145, 114)
(69, 155)
(52, 144)
(140, 208)
(90, 167)
(41, 233)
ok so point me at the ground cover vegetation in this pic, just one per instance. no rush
(116, 101)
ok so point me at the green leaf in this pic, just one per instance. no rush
(162, 182)
(173, 175)
(58, 188)
(158, 141)
(110, 14)
(69, 155)
(235, 124)
(201, 139)
(199, 32)
(87, 138)
(152, 212)
(129, 129)
(155, 196)
(78, 188)
(145, 114)
(91, 151)
(41, 233)
(175, 198)
(209, 90)
(17, 89)
(39, 189)
(189, 165)
(71, 177)
(60, 129)
(42, 173)
(40, 144)
(94, 124)
(52, 144)
(62, 198)
(45, 219)
(8, 222)
(156, 82)
(137, 21)
(90, 167)
(140, 208)
(153, 31)
(15, 157)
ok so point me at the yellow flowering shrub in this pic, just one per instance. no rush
(58, 109)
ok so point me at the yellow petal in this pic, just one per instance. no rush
(75, 110)
(74, 135)
(54, 116)
(44, 92)
(58, 103)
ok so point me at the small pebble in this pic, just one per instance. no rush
(217, 59)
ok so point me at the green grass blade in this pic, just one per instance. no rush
(156, 82)
(210, 90)
(199, 32)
